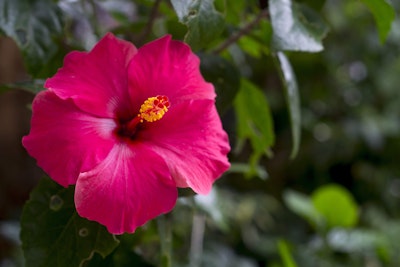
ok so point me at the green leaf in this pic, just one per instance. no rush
(288, 78)
(204, 22)
(34, 86)
(254, 43)
(336, 205)
(33, 25)
(233, 10)
(225, 77)
(252, 46)
(296, 27)
(53, 234)
(384, 15)
(254, 120)
(302, 205)
(245, 168)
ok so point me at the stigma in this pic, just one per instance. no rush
(154, 108)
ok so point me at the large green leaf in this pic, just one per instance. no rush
(225, 77)
(296, 27)
(204, 22)
(53, 234)
(288, 78)
(33, 25)
(384, 15)
(336, 205)
(254, 120)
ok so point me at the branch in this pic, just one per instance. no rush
(243, 31)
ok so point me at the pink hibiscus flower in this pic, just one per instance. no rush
(128, 126)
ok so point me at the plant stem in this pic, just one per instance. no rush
(94, 18)
(147, 29)
(243, 31)
(165, 231)
(196, 246)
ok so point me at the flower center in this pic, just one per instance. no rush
(153, 109)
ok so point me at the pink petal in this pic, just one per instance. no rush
(192, 142)
(64, 140)
(167, 67)
(97, 81)
(131, 186)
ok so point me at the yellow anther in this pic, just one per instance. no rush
(154, 108)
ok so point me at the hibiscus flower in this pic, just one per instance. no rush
(128, 126)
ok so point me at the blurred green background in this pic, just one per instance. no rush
(335, 204)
